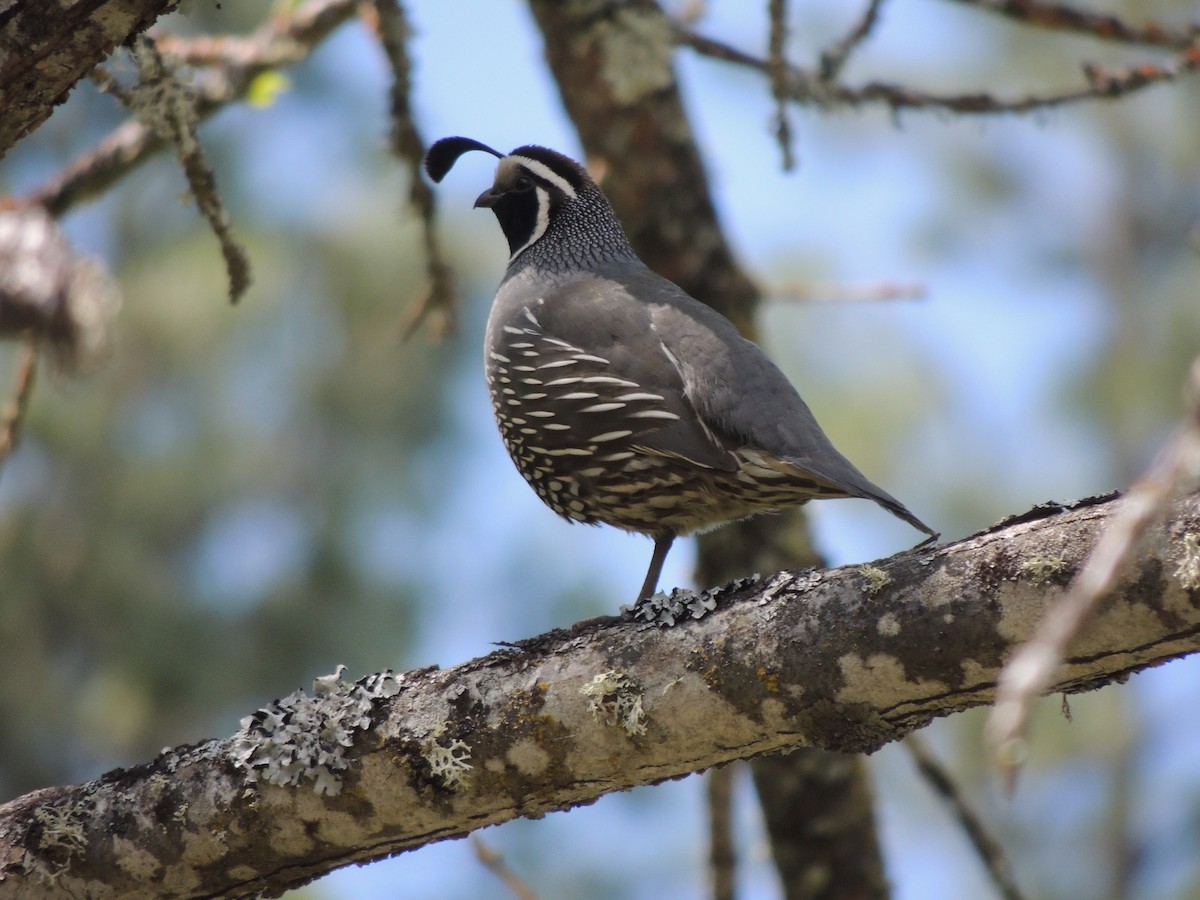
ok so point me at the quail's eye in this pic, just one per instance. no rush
(523, 183)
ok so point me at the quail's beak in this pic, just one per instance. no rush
(488, 198)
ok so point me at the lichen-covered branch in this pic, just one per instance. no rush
(439, 301)
(50, 292)
(46, 47)
(846, 659)
(163, 101)
(232, 65)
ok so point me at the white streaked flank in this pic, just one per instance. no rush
(602, 407)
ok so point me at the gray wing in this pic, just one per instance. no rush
(743, 399)
(604, 369)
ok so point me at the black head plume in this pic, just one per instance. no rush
(445, 153)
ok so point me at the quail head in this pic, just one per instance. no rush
(621, 399)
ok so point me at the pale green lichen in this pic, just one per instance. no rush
(1187, 570)
(637, 48)
(449, 764)
(63, 836)
(305, 738)
(616, 699)
(877, 579)
(1041, 567)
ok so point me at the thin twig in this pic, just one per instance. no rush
(493, 861)
(285, 40)
(18, 400)
(991, 854)
(169, 108)
(1027, 675)
(1060, 17)
(439, 297)
(777, 66)
(834, 59)
(722, 852)
(807, 88)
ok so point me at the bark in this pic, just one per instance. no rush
(846, 659)
(817, 805)
(48, 45)
(820, 815)
(612, 64)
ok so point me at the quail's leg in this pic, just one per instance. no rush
(662, 546)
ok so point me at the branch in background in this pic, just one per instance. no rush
(722, 849)
(777, 66)
(1031, 671)
(817, 807)
(834, 59)
(167, 106)
(1060, 17)
(47, 290)
(18, 401)
(991, 854)
(844, 659)
(439, 298)
(807, 88)
(287, 39)
(494, 862)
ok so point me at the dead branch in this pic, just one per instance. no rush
(1028, 674)
(1102, 26)
(164, 103)
(14, 409)
(439, 299)
(987, 848)
(834, 58)
(807, 88)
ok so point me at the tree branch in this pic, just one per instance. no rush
(1175, 470)
(13, 411)
(49, 291)
(808, 88)
(846, 659)
(288, 38)
(439, 301)
(46, 47)
(987, 848)
(1102, 26)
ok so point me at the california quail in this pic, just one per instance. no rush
(622, 399)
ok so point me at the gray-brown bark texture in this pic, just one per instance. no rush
(845, 659)
(48, 45)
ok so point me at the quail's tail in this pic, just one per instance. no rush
(900, 511)
(832, 469)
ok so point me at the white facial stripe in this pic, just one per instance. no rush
(544, 172)
(542, 223)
